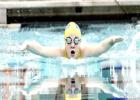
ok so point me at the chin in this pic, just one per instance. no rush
(72, 56)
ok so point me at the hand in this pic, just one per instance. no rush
(24, 46)
(117, 39)
(27, 45)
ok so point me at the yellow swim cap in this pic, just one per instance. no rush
(78, 97)
(72, 29)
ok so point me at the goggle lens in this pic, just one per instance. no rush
(76, 40)
(68, 40)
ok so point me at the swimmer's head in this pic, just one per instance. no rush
(72, 36)
(72, 29)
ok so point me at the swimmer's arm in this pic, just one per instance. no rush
(102, 47)
(41, 50)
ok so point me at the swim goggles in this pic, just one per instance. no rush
(75, 91)
(76, 40)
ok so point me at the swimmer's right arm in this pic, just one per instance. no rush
(41, 50)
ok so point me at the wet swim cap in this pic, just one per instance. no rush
(78, 97)
(72, 29)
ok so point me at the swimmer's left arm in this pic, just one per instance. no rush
(102, 47)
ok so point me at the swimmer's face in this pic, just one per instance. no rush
(72, 45)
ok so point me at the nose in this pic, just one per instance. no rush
(72, 45)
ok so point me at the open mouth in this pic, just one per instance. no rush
(72, 52)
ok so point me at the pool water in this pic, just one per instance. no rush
(122, 58)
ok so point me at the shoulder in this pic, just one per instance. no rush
(85, 48)
(89, 50)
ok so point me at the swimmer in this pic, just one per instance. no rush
(73, 47)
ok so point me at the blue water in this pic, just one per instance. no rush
(51, 34)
